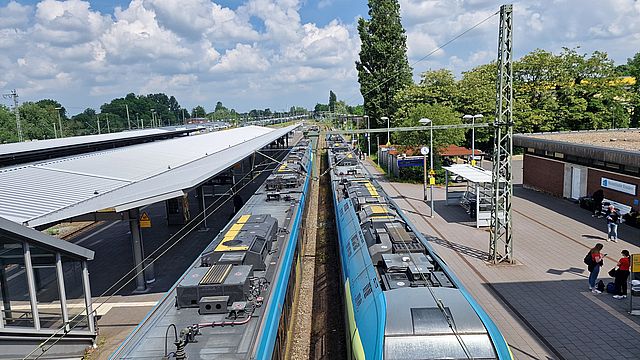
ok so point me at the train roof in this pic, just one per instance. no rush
(236, 275)
(425, 309)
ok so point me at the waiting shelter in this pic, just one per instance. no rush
(475, 193)
(44, 291)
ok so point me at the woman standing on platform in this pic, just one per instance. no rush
(594, 267)
(622, 274)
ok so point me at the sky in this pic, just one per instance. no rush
(256, 54)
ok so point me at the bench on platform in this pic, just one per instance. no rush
(622, 208)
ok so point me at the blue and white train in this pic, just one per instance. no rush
(401, 299)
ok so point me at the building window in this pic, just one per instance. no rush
(612, 166)
(14, 285)
(558, 155)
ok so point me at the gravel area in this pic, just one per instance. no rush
(304, 309)
(617, 139)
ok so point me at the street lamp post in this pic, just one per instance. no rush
(59, 121)
(473, 135)
(368, 135)
(388, 130)
(425, 121)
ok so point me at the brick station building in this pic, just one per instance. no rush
(575, 164)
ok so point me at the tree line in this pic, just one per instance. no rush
(42, 119)
(568, 90)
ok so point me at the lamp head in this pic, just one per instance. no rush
(479, 116)
(424, 121)
(467, 117)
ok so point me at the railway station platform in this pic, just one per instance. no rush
(542, 304)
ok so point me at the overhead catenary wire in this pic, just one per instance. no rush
(193, 224)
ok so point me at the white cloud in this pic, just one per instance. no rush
(14, 15)
(262, 53)
(66, 23)
(243, 59)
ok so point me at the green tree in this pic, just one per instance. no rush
(37, 121)
(8, 130)
(435, 87)
(592, 97)
(632, 69)
(383, 68)
(440, 115)
(332, 101)
(84, 123)
(537, 75)
(198, 111)
(321, 107)
(477, 95)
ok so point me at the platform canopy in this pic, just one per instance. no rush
(36, 145)
(124, 178)
(470, 173)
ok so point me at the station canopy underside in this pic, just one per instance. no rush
(123, 178)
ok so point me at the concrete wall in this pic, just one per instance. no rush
(544, 175)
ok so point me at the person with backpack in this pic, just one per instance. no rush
(613, 219)
(621, 276)
(598, 197)
(594, 262)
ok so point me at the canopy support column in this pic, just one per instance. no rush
(136, 244)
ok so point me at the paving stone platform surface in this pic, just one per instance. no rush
(542, 304)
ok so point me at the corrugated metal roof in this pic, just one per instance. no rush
(35, 145)
(123, 178)
(21, 233)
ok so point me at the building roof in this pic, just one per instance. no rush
(22, 233)
(27, 151)
(619, 146)
(628, 139)
(123, 178)
(455, 150)
(19, 147)
(471, 173)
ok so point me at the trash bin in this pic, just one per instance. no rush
(149, 271)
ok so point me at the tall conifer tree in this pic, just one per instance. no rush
(383, 68)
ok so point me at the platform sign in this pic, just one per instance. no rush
(145, 220)
(432, 181)
(616, 185)
(635, 263)
(410, 161)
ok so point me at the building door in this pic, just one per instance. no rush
(575, 183)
